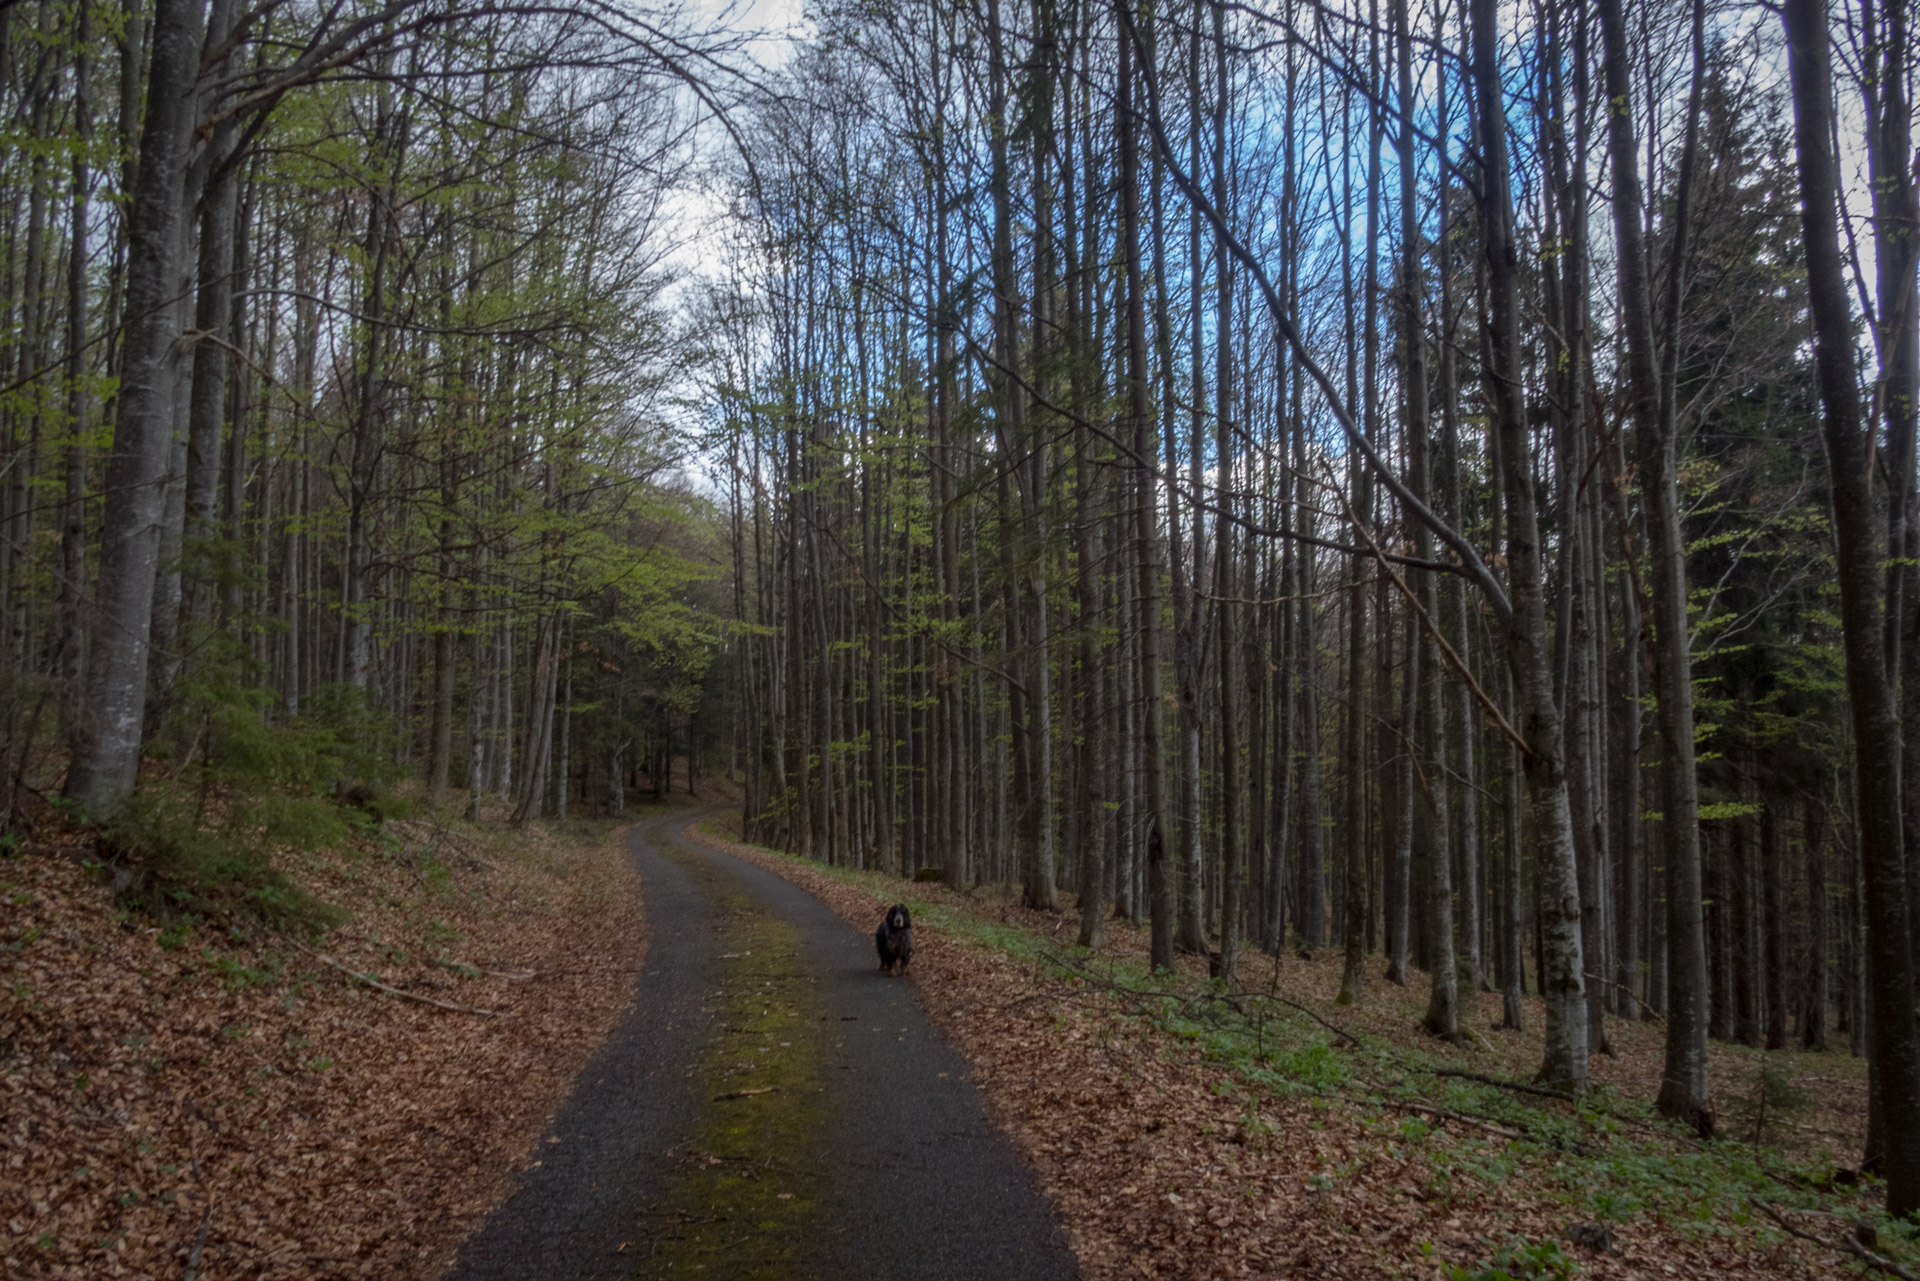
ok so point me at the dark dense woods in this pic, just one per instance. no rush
(1430, 481)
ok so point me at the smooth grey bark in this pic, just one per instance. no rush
(1146, 552)
(1423, 663)
(73, 512)
(163, 659)
(1895, 1043)
(1354, 914)
(107, 748)
(212, 323)
(1886, 86)
(1685, 1086)
(1564, 1061)
(1227, 619)
(1568, 356)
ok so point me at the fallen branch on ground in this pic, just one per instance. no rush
(1447, 1114)
(1849, 1242)
(511, 976)
(388, 988)
(1544, 1092)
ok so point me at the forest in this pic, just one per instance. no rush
(1430, 483)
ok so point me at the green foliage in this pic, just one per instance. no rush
(1518, 1260)
(239, 975)
(1313, 1068)
(244, 784)
(180, 866)
(1766, 1097)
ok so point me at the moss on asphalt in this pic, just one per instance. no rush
(743, 1198)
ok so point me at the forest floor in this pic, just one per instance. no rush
(1184, 1132)
(200, 1096)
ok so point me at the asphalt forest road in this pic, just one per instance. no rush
(773, 1107)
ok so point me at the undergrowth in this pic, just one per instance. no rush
(228, 786)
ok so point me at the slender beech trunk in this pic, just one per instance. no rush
(1091, 764)
(1228, 616)
(1146, 550)
(1813, 1014)
(1423, 665)
(108, 743)
(212, 320)
(1895, 1044)
(1774, 927)
(1685, 1088)
(1358, 709)
(1565, 1058)
(73, 512)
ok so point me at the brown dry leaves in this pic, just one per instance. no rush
(235, 1102)
(1159, 1164)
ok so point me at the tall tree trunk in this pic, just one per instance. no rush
(1685, 1089)
(1565, 1059)
(1813, 1015)
(1423, 662)
(1232, 853)
(1146, 551)
(212, 321)
(1774, 927)
(1895, 1046)
(108, 744)
(445, 655)
(73, 512)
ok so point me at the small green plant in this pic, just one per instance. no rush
(1771, 1098)
(1313, 1065)
(175, 936)
(1254, 1126)
(1518, 1260)
(241, 976)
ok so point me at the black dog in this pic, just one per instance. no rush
(894, 938)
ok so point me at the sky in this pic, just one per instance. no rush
(778, 26)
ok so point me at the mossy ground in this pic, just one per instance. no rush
(743, 1198)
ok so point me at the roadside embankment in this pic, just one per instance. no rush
(191, 1097)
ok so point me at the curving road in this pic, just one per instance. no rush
(772, 1107)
